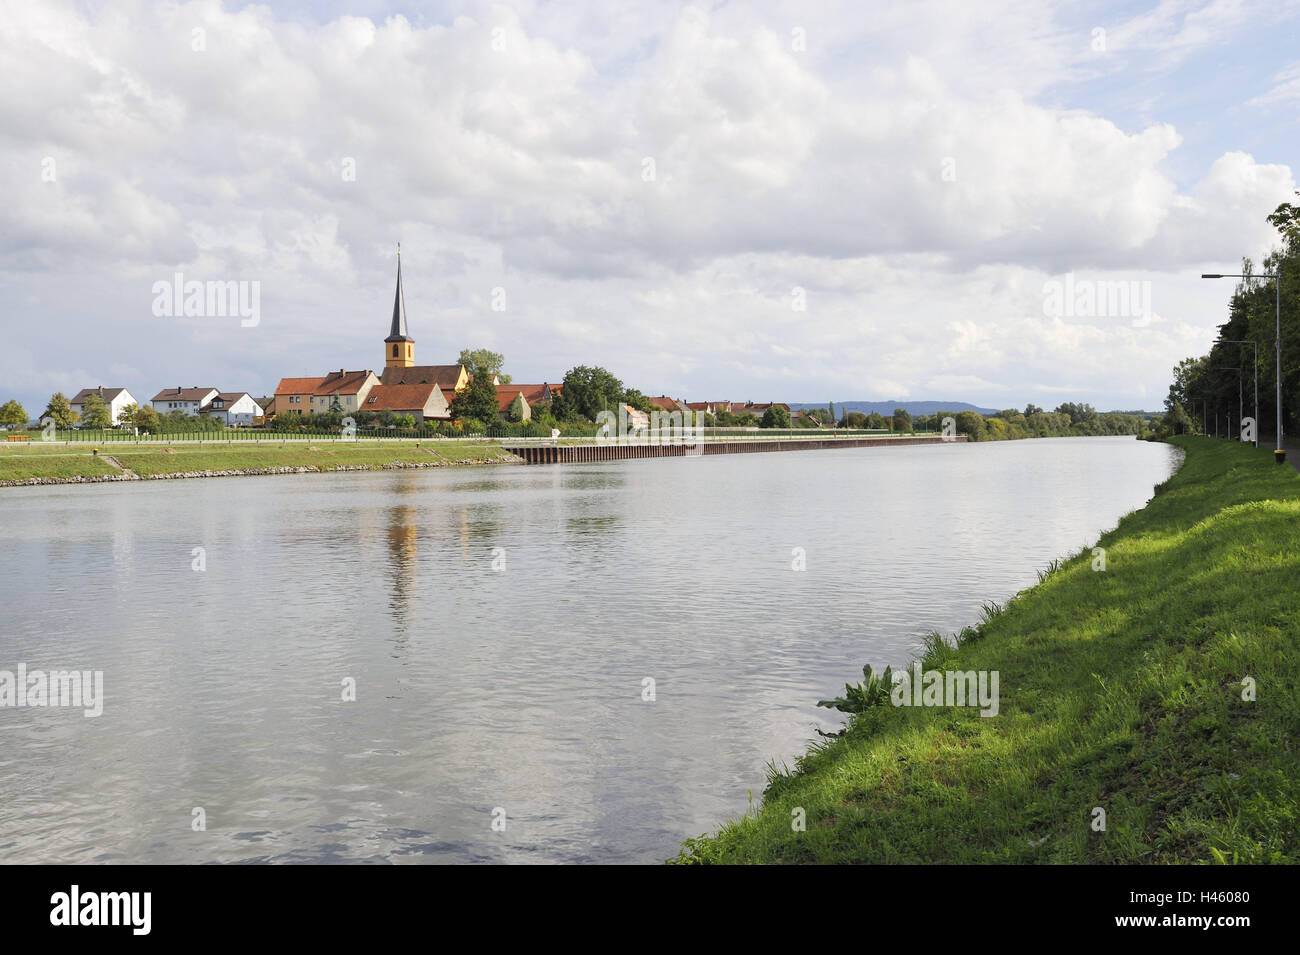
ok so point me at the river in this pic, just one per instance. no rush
(499, 626)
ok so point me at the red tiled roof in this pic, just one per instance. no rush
(506, 395)
(398, 397)
(342, 383)
(444, 376)
(534, 393)
(298, 386)
(664, 403)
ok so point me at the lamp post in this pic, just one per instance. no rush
(1255, 345)
(1277, 285)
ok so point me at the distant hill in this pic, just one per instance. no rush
(887, 407)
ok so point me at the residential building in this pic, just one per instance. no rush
(345, 389)
(189, 400)
(424, 401)
(294, 394)
(236, 409)
(117, 400)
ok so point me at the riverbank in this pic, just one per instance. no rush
(1120, 690)
(38, 464)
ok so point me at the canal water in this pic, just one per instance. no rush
(498, 629)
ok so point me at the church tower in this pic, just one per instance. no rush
(399, 347)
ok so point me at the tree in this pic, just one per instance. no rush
(478, 400)
(12, 414)
(589, 391)
(481, 360)
(516, 410)
(95, 414)
(875, 420)
(854, 419)
(902, 420)
(633, 398)
(971, 424)
(776, 416)
(145, 418)
(60, 411)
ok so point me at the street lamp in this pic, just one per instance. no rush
(1255, 345)
(1277, 285)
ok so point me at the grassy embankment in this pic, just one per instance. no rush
(1120, 689)
(22, 462)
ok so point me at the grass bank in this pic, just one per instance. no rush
(68, 462)
(1120, 689)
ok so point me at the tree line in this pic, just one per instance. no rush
(1219, 386)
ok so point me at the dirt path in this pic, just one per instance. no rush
(119, 465)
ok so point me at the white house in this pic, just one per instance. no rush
(236, 408)
(116, 398)
(189, 400)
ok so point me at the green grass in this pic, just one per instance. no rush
(1120, 689)
(61, 461)
(37, 462)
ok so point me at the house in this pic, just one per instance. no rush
(536, 397)
(236, 409)
(664, 403)
(635, 419)
(294, 394)
(506, 396)
(189, 400)
(709, 407)
(423, 401)
(346, 389)
(117, 400)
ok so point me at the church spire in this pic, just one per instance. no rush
(399, 347)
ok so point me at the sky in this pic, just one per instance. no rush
(992, 202)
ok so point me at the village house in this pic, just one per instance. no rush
(236, 409)
(189, 400)
(117, 400)
(535, 398)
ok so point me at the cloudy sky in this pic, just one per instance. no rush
(789, 200)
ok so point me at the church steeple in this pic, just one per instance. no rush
(399, 347)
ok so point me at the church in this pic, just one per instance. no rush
(422, 391)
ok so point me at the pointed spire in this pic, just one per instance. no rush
(398, 332)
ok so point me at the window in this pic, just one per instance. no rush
(394, 351)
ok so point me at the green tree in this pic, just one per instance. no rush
(12, 414)
(477, 401)
(875, 420)
(95, 413)
(776, 416)
(516, 410)
(590, 390)
(635, 399)
(146, 418)
(971, 424)
(478, 360)
(60, 411)
(854, 419)
(902, 420)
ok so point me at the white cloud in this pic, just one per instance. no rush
(906, 170)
